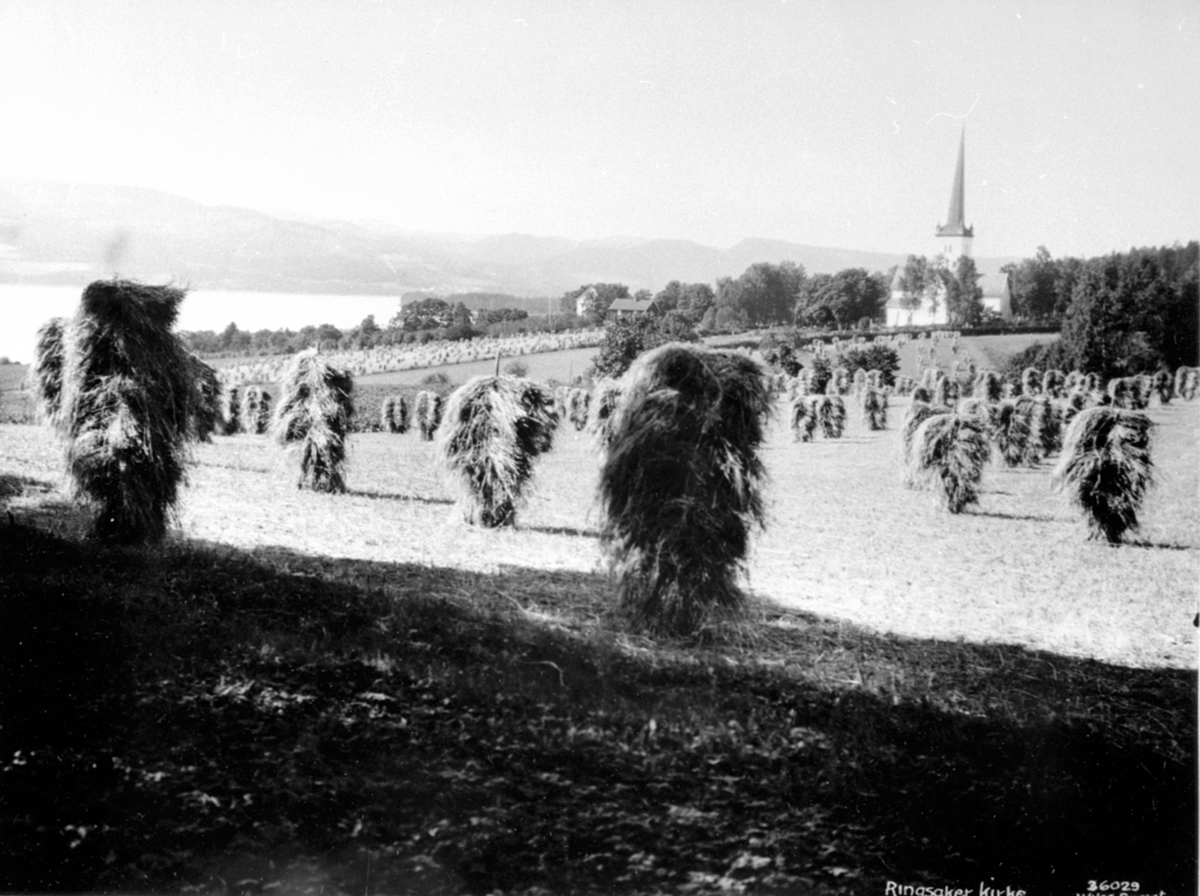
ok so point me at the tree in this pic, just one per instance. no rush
(844, 297)
(914, 281)
(1034, 285)
(767, 292)
(627, 338)
(328, 336)
(690, 300)
(964, 297)
(228, 337)
(1106, 330)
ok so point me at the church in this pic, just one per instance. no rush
(954, 238)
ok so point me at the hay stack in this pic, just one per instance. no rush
(494, 427)
(839, 382)
(1190, 382)
(988, 386)
(248, 414)
(560, 401)
(945, 391)
(948, 453)
(1106, 469)
(1053, 383)
(874, 409)
(48, 368)
(427, 414)
(803, 417)
(1031, 379)
(682, 485)
(606, 397)
(1076, 401)
(918, 412)
(578, 403)
(262, 422)
(1046, 425)
(1123, 392)
(126, 407)
(312, 419)
(231, 412)
(831, 415)
(393, 415)
(1012, 432)
(1162, 386)
(206, 397)
(978, 409)
(859, 381)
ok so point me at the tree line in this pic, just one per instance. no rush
(1124, 313)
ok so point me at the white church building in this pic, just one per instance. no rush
(954, 238)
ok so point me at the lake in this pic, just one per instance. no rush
(24, 308)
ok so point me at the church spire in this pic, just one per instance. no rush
(956, 224)
(956, 227)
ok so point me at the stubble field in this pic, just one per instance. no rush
(844, 537)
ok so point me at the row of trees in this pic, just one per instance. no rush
(763, 295)
(1128, 313)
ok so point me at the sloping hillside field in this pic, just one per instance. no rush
(360, 694)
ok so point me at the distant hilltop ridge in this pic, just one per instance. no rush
(61, 233)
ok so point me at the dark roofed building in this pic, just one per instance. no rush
(630, 307)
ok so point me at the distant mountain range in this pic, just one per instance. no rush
(58, 233)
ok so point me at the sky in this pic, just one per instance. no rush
(833, 124)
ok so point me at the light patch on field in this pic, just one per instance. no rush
(844, 538)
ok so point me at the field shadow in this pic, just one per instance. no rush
(1160, 545)
(1023, 517)
(396, 496)
(237, 468)
(953, 760)
(560, 530)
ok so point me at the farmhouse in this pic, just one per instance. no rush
(585, 300)
(955, 239)
(622, 308)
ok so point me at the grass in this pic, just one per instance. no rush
(359, 694)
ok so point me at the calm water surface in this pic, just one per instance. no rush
(25, 308)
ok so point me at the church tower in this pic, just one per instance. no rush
(955, 237)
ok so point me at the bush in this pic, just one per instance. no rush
(873, 356)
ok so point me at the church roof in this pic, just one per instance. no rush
(956, 224)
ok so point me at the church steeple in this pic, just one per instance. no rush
(955, 229)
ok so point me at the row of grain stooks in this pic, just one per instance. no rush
(681, 482)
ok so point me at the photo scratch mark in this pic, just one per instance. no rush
(952, 115)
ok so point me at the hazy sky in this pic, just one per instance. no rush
(828, 123)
